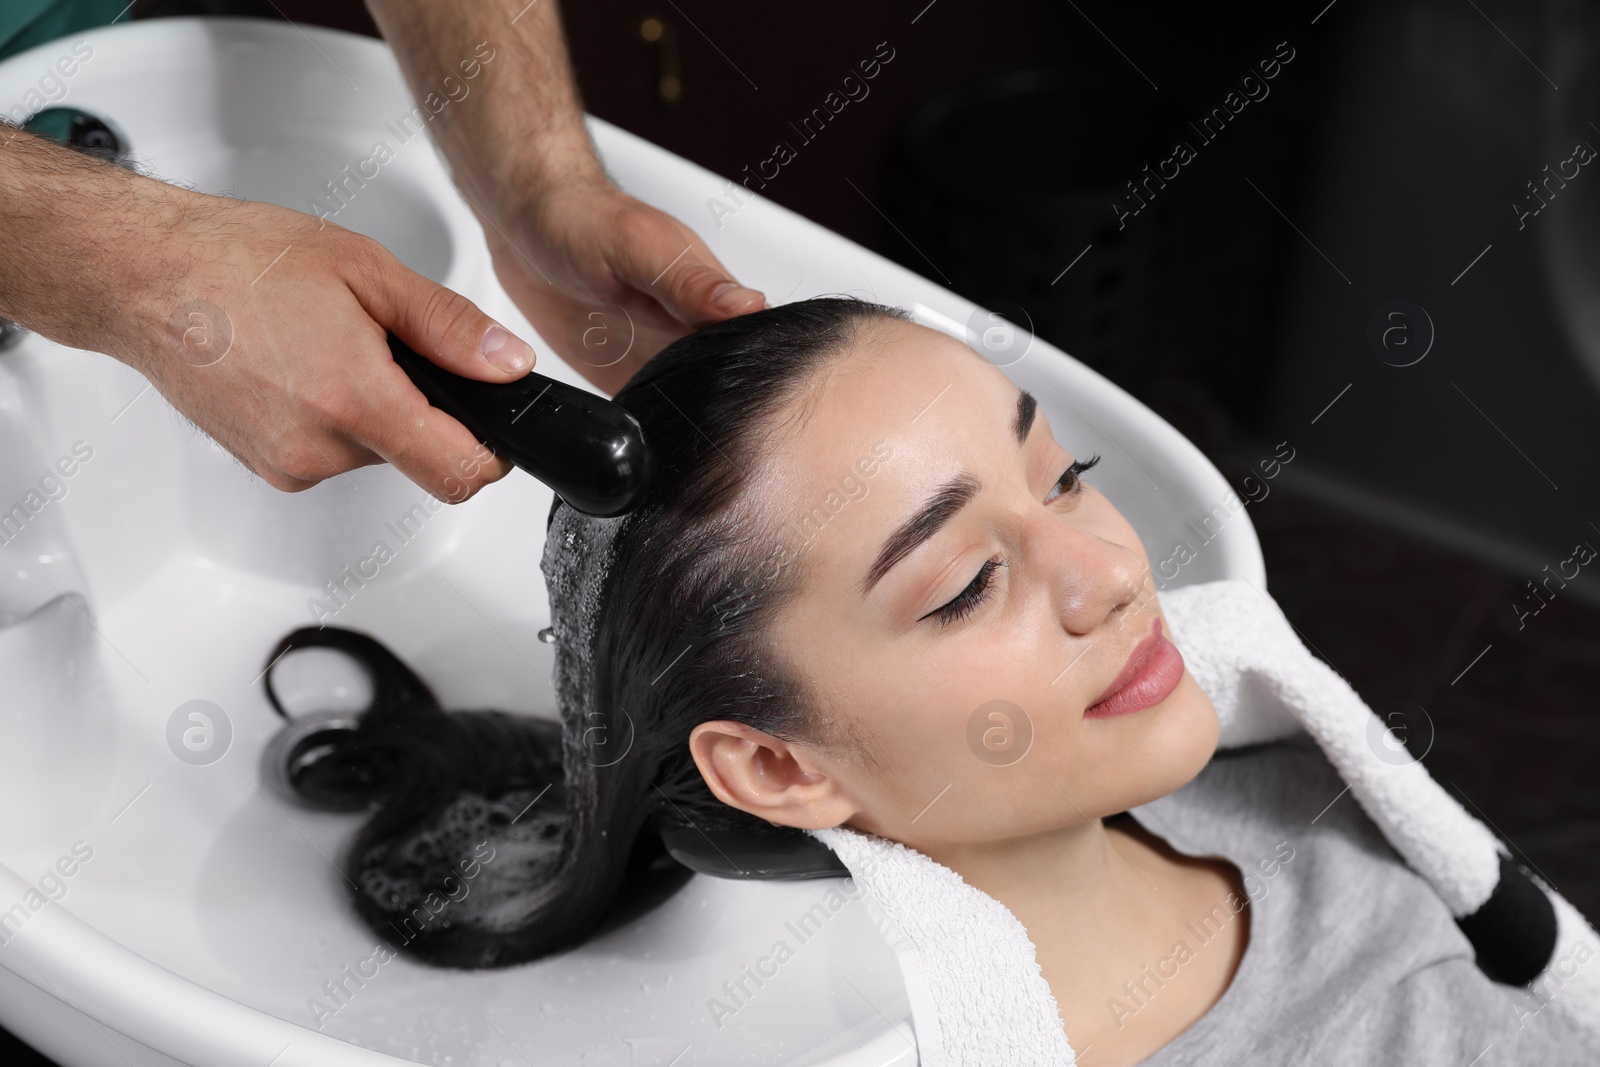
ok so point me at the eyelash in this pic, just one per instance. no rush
(1077, 468)
(968, 600)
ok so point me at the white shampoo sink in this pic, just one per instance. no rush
(161, 907)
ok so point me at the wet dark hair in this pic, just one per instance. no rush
(545, 844)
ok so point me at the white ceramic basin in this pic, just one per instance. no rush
(159, 572)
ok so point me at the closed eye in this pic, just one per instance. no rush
(967, 601)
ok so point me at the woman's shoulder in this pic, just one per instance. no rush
(1396, 978)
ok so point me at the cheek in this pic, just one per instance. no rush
(931, 737)
(1103, 517)
(1013, 755)
(1090, 768)
(916, 762)
(932, 780)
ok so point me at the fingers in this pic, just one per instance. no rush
(424, 443)
(379, 417)
(394, 419)
(664, 260)
(440, 324)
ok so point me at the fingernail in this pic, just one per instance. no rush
(505, 351)
(730, 297)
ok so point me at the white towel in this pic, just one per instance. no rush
(976, 992)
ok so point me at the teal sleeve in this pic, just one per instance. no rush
(25, 23)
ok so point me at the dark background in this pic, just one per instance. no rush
(1424, 499)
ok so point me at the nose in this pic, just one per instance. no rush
(1094, 580)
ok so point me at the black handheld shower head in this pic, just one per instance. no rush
(585, 447)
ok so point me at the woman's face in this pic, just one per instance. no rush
(957, 710)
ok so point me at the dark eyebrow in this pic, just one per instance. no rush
(951, 498)
(1027, 408)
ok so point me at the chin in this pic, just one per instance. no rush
(1177, 739)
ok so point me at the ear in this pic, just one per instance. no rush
(776, 780)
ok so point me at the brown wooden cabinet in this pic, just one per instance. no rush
(727, 84)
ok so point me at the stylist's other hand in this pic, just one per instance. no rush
(268, 329)
(607, 280)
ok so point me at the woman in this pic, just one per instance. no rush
(864, 535)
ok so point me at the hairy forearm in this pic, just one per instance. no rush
(515, 127)
(79, 264)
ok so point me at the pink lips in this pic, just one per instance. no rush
(1153, 671)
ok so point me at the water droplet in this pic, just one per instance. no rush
(548, 635)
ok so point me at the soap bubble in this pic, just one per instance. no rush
(578, 553)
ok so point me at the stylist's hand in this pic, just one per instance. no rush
(264, 326)
(608, 280)
(295, 378)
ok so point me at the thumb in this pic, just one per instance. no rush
(444, 326)
(680, 273)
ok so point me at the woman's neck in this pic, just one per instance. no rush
(1100, 903)
(1077, 883)
(1073, 862)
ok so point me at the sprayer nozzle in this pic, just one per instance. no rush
(583, 446)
